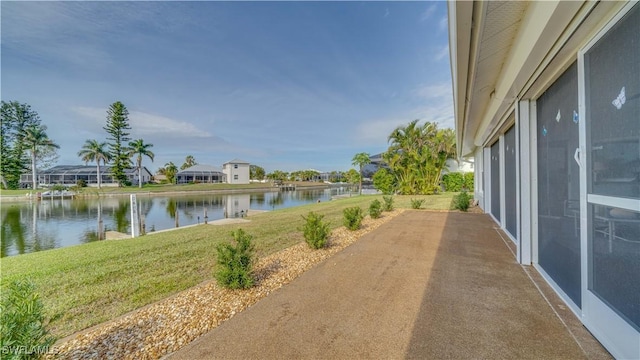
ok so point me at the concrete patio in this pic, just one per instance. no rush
(428, 285)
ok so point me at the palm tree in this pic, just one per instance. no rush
(92, 150)
(417, 154)
(169, 170)
(189, 161)
(361, 160)
(445, 149)
(139, 148)
(36, 140)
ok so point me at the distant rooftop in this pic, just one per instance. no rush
(81, 170)
(236, 161)
(200, 169)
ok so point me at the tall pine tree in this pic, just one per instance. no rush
(15, 118)
(117, 125)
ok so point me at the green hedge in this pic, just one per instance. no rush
(457, 181)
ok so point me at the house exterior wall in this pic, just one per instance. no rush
(562, 222)
(236, 173)
(463, 165)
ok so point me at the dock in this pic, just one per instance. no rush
(287, 187)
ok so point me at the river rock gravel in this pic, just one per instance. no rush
(165, 326)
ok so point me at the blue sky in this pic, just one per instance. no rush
(284, 85)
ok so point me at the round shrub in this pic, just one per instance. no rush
(315, 231)
(461, 201)
(375, 209)
(353, 217)
(388, 203)
(235, 263)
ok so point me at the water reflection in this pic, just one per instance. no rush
(20, 233)
(13, 231)
(51, 223)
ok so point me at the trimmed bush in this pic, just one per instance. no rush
(22, 331)
(461, 201)
(375, 209)
(468, 181)
(353, 217)
(384, 181)
(316, 232)
(416, 203)
(388, 203)
(58, 187)
(453, 182)
(235, 263)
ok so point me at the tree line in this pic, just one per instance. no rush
(25, 145)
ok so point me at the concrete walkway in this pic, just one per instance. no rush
(425, 285)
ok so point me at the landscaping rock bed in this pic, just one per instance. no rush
(166, 326)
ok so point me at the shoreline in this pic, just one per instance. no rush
(22, 198)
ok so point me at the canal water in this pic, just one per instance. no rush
(52, 223)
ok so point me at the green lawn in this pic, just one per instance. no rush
(88, 284)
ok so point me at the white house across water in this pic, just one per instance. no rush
(237, 171)
(547, 102)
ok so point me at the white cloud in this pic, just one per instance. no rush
(377, 131)
(442, 53)
(150, 124)
(145, 124)
(434, 91)
(438, 107)
(428, 12)
(386, 12)
(443, 24)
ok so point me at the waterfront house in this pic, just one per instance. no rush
(547, 102)
(69, 175)
(200, 174)
(236, 171)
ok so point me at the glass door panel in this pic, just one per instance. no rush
(559, 185)
(510, 194)
(611, 70)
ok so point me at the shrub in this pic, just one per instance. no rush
(58, 187)
(453, 182)
(353, 217)
(235, 263)
(468, 181)
(388, 203)
(81, 183)
(416, 203)
(375, 209)
(461, 201)
(316, 232)
(384, 181)
(22, 331)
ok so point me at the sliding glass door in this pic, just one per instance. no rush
(610, 132)
(559, 186)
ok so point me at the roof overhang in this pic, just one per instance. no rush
(501, 50)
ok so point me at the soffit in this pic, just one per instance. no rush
(499, 25)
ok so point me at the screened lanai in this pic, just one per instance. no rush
(71, 174)
(200, 174)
